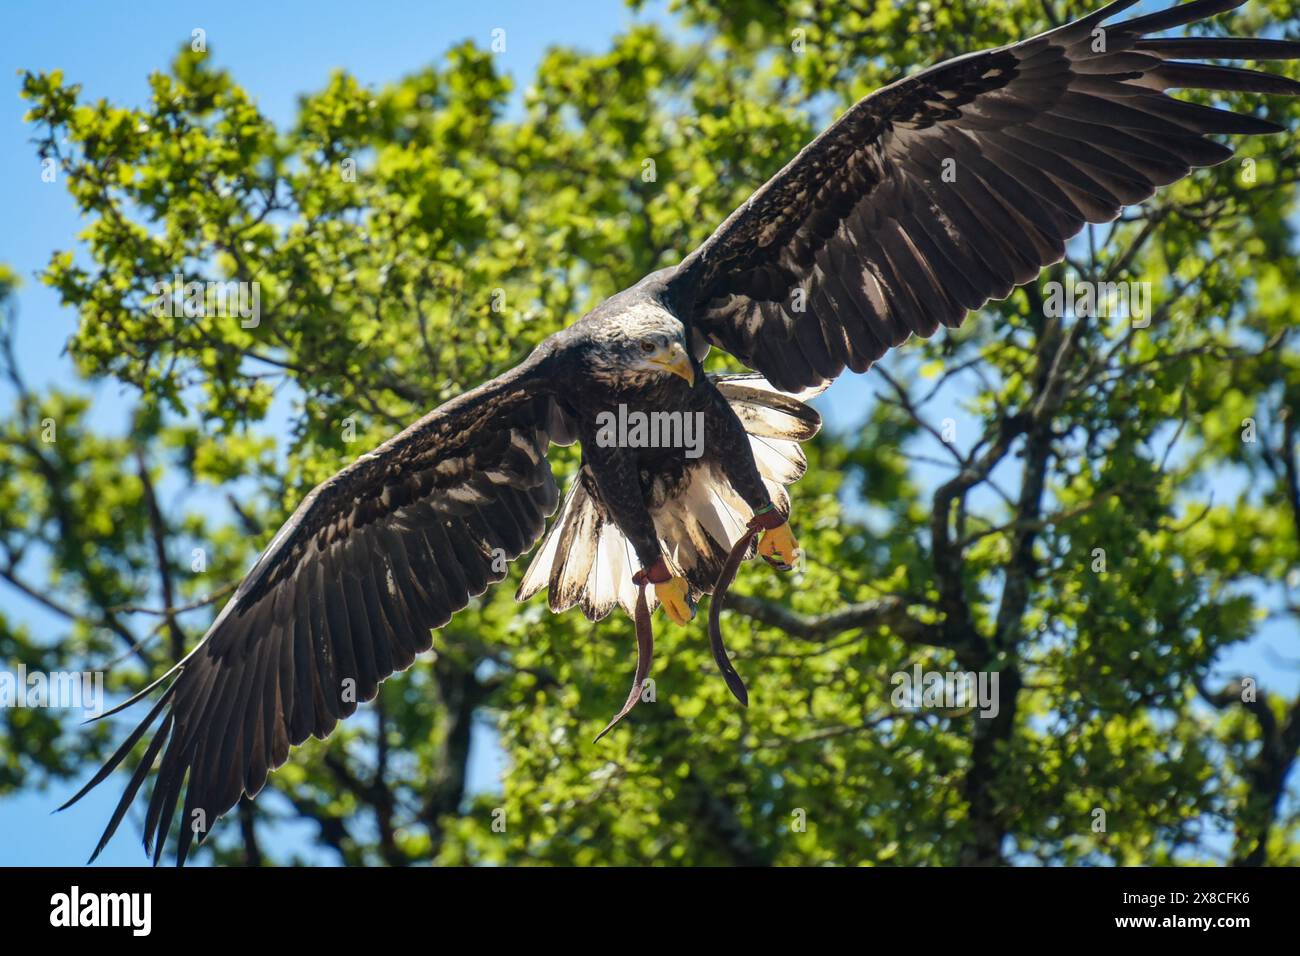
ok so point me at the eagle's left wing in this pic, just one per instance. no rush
(950, 187)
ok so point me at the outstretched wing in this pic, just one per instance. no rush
(949, 188)
(344, 596)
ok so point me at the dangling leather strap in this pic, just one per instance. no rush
(657, 573)
(764, 519)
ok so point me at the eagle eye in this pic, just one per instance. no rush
(647, 346)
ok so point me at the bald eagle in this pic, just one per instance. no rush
(859, 243)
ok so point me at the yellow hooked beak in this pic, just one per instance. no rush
(675, 360)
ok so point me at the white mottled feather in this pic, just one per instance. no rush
(539, 571)
(782, 461)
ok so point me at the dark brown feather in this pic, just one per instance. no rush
(349, 589)
(1008, 152)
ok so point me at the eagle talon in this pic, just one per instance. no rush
(778, 547)
(675, 595)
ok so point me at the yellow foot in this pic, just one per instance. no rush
(779, 547)
(675, 596)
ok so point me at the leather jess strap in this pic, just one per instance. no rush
(657, 573)
(764, 519)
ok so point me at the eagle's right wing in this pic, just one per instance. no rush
(344, 596)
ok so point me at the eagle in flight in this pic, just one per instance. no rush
(860, 242)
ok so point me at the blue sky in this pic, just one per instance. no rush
(276, 50)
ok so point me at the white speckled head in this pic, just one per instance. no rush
(639, 344)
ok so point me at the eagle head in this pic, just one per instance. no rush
(641, 345)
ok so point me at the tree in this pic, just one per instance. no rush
(1039, 496)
